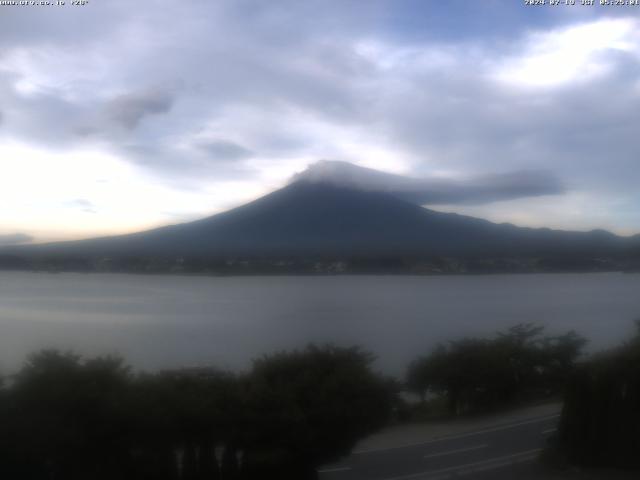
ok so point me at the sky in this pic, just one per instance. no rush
(118, 116)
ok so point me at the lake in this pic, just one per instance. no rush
(170, 321)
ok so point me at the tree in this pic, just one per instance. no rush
(179, 417)
(66, 418)
(310, 407)
(480, 374)
(600, 422)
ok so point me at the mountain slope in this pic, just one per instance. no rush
(307, 218)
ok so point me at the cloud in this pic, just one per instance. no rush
(128, 110)
(436, 191)
(15, 239)
(225, 151)
(187, 164)
(570, 55)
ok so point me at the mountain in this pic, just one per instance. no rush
(311, 218)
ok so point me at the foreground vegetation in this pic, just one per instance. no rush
(66, 418)
(600, 424)
(477, 374)
(600, 421)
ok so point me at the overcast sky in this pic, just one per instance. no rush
(119, 115)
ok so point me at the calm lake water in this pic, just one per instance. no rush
(168, 321)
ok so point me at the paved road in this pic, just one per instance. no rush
(502, 450)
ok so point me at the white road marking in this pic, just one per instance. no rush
(551, 430)
(468, 468)
(459, 450)
(462, 435)
(333, 470)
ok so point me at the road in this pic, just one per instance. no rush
(492, 451)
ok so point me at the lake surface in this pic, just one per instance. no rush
(169, 321)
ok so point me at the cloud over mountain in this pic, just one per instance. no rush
(436, 191)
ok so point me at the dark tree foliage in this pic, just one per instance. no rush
(178, 419)
(66, 418)
(476, 374)
(312, 406)
(63, 416)
(600, 423)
